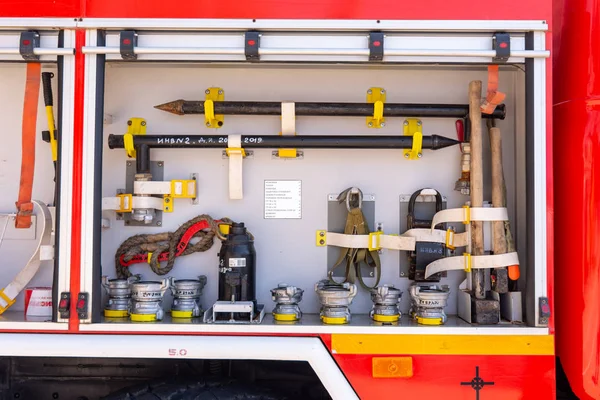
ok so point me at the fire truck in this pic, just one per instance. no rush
(298, 200)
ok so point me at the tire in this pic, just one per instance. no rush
(195, 390)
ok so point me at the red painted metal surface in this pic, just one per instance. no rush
(450, 377)
(77, 180)
(577, 178)
(284, 9)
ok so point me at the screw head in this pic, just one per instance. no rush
(321, 241)
(220, 92)
(419, 123)
(419, 155)
(406, 155)
(208, 124)
(160, 164)
(370, 124)
(129, 163)
(129, 122)
(382, 91)
(321, 234)
(207, 91)
(369, 91)
(167, 200)
(405, 123)
(382, 124)
(158, 223)
(143, 123)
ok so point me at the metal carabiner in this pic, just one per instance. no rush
(352, 196)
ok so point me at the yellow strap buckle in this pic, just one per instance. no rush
(135, 126)
(467, 262)
(125, 203)
(450, 239)
(149, 257)
(183, 189)
(376, 96)
(210, 119)
(375, 240)
(235, 150)
(467, 219)
(9, 302)
(414, 127)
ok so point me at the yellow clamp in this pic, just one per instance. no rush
(321, 238)
(467, 219)
(414, 127)
(149, 257)
(167, 203)
(375, 240)
(429, 321)
(235, 150)
(467, 262)
(183, 189)
(125, 203)
(210, 119)
(9, 302)
(287, 153)
(450, 239)
(135, 126)
(376, 96)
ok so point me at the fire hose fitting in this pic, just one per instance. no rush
(287, 299)
(428, 302)
(186, 297)
(146, 300)
(385, 304)
(335, 300)
(119, 296)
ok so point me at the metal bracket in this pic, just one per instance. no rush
(251, 45)
(210, 119)
(376, 46)
(64, 305)
(544, 311)
(501, 43)
(82, 305)
(135, 126)
(376, 96)
(157, 171)
(287, 154)
(27, 43)
(127, 43)
(414, 127)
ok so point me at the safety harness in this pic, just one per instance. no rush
(353, 257)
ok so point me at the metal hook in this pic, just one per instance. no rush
(352, 196)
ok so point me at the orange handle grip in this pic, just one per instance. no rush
(514, 272)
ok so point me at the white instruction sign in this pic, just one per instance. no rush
(283, 199)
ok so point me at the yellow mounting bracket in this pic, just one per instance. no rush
(125, 203)
(374, 240)
(9, 302)
(414, 127)
(183, 189)
(467, 257)
(321, 238)
(210, 119)
(376, 96)
(167, 203)
(135, 126)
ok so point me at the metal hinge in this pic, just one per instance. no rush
(544, 311)
(501, 43)
(64, 305)
(82, 305)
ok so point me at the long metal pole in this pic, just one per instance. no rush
(432, 142)
(184, 107)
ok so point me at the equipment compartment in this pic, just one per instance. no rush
(285, 248)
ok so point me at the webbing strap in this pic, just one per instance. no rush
(236, 155)
(493, 97)
(468, 214)
(30, 111)
(467, 262)
(12, 290)
(354, 257)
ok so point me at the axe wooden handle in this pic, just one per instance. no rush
(476, 183)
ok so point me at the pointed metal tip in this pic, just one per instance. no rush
(174, 107)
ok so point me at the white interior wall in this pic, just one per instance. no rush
(15, 253)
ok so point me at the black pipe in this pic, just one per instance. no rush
(432, 142)
(183, 107)
(142, 158)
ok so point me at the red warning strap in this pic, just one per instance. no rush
(30, 111)
(183, 243)
(493, 97)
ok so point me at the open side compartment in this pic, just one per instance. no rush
(36, 280)
(288, 200)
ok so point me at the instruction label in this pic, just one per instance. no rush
(283, 199)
